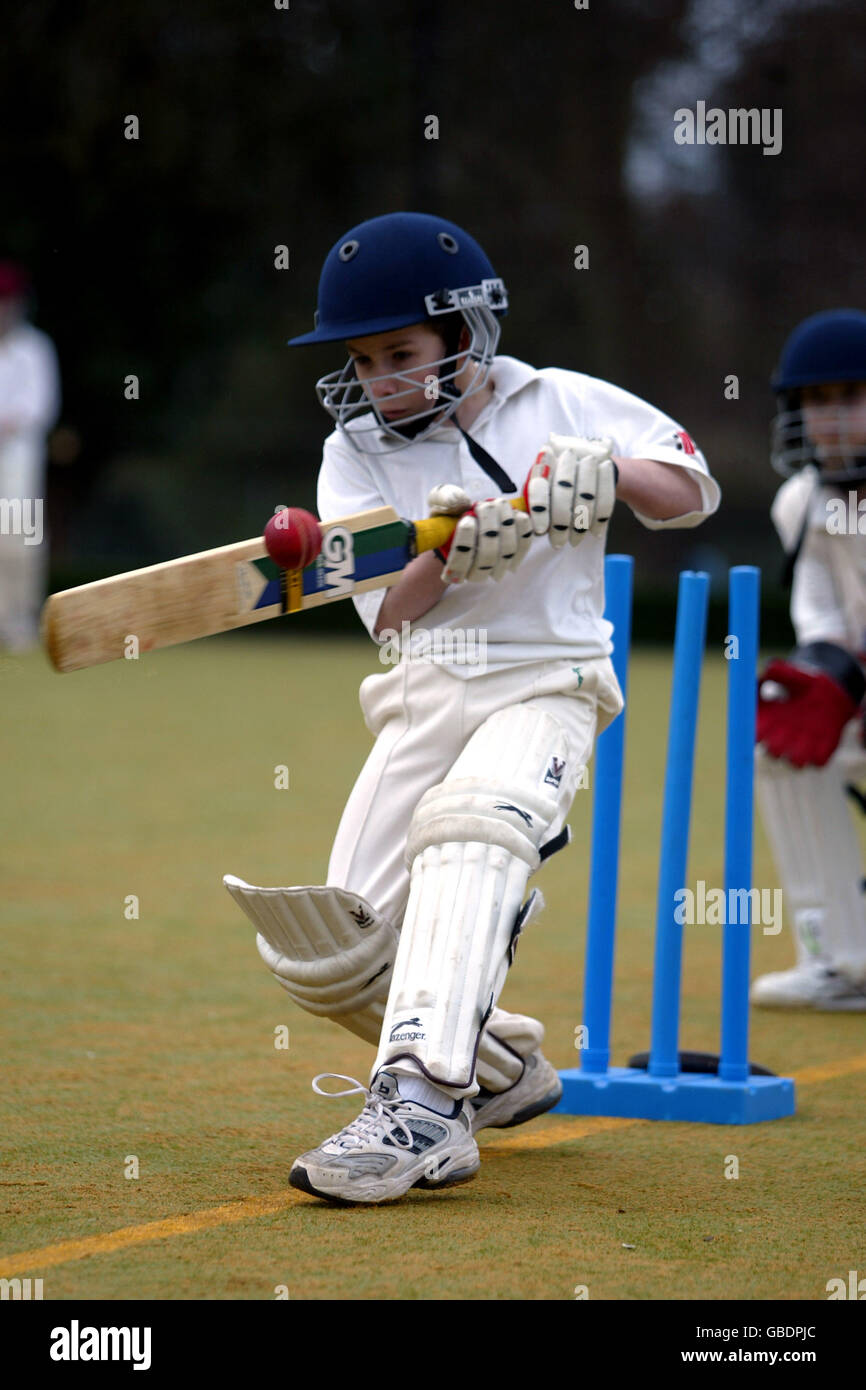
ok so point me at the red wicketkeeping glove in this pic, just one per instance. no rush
(805, 726)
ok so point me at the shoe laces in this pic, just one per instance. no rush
(376, 1113)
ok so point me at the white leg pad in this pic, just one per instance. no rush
(506, 1042)
(472, 846)
(329, 949)
(806, 816)
(508, 1039)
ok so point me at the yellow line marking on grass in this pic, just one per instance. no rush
(205, 1220)
(830, 1071)
(580, 1127)
(576, 1127)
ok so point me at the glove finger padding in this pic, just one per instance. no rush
(491, 539)
(605, 495)
(459, 552)
(495, 543)
(536, 492)
(563, 484)
(583, 514)
(570, 490)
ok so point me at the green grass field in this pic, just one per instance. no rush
(151, 1039)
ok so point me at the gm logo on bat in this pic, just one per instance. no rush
(336, 562)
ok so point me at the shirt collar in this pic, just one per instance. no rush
(507, 376)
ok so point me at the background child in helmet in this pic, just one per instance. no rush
(474, 765)
(810, 728)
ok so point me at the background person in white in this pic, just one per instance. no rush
(474, 767)
(810, 716)
(29, 405)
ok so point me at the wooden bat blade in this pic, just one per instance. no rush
(218, 590)
(230, 587)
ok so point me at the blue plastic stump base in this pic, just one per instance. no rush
(686, 1096)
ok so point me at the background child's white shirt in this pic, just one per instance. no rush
(29, 379)
(552, 605)
(828, 594)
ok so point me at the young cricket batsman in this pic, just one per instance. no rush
(475, 763)
(810, 724)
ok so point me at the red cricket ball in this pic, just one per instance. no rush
(292, 538)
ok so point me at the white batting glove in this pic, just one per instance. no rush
(448, 499)
(570, 490)
(490, 538)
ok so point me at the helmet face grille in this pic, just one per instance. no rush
(356, 412)
(830, 437)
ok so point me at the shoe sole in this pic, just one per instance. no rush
(460, 1175)
(300, 1178)
(528, 1112)
(826, 1006)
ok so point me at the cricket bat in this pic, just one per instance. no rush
(229, 587)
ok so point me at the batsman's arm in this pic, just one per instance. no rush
(418, 589)
(655, 489)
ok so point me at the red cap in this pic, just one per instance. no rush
(14, 280)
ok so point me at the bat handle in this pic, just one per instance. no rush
(433, 531)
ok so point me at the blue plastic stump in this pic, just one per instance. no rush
(662, 1092)
(693, 596)
(606, 809)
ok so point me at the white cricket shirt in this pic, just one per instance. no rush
(29, 379)
(828, 594)
(551, 606)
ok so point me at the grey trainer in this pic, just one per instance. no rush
(538, 1090)
(392, 1146)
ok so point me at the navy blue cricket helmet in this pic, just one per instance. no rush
(826, 348)
(392, 272)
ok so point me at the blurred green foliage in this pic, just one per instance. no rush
(262, 127)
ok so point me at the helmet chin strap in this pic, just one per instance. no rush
(484, 460)
(412, 428)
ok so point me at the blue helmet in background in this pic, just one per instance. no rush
(824, 349)
(391, 272)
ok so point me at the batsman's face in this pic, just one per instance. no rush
(834, 418)
(399, 370)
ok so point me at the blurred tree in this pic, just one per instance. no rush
(266, 127)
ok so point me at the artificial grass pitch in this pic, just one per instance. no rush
(151, 1107)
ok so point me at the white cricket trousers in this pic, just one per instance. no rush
(23, 559)
(422, 717)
